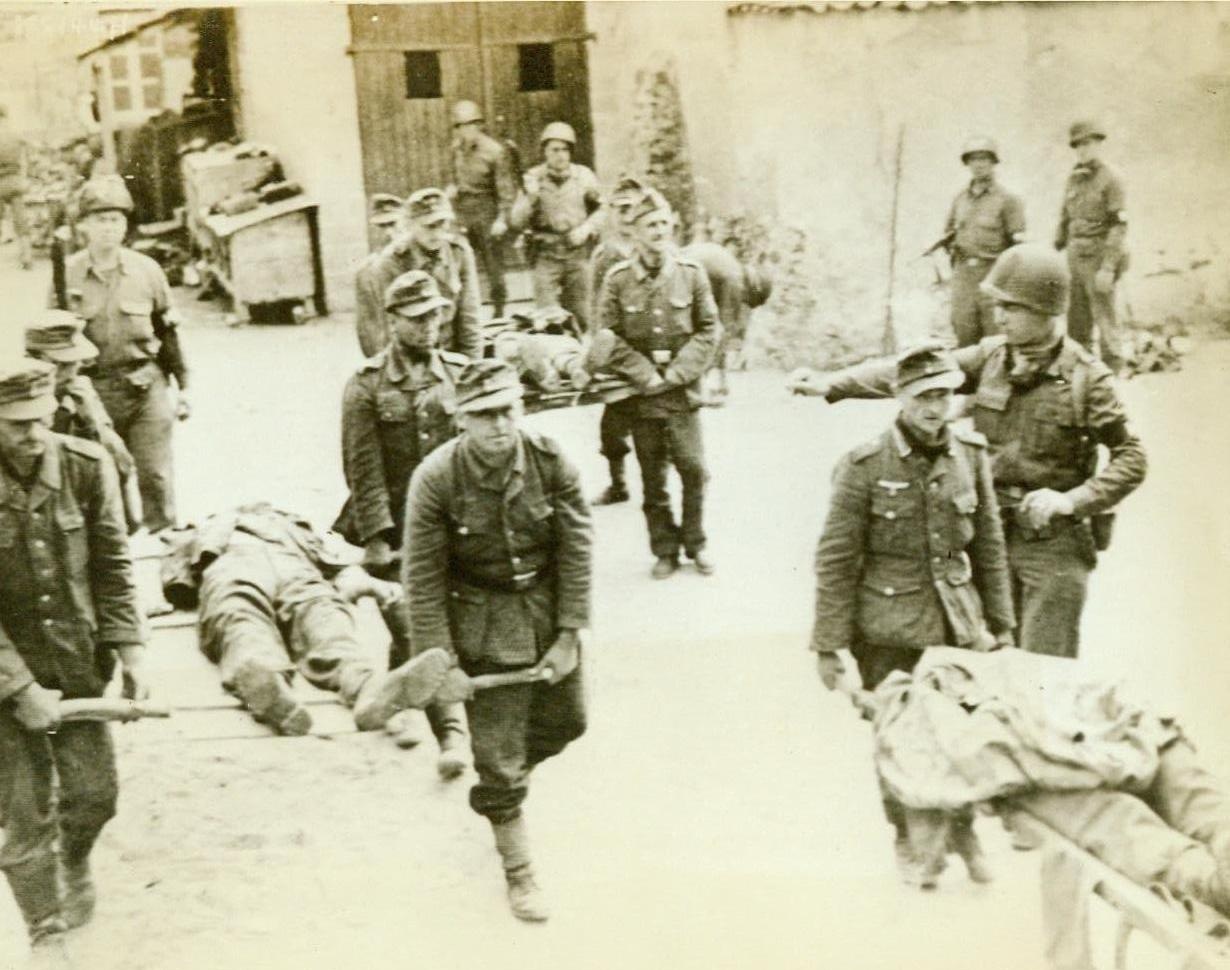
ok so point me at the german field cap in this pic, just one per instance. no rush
(926, 367)
(415, 293)
(486, 384)
(1084, 130)
(27, 388)
(59, 336)
(385, 208)
(628, 191)
(651, 201)
(426, 203)
(104, 193)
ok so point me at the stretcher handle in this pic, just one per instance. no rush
(110, 709)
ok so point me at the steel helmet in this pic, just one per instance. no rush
(466, 112)
(558, 131)
(1030, 275)
(980, 143)
(1081, 130)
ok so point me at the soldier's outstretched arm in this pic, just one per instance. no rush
(424, 567)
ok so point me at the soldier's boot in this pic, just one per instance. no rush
(928, 842)
(525, 898)
(704, 565)
(903, 853)
(964, 842)
(267, 694)
(1197, 874)
(406, 728)
(79, 894)
(448, 722)
(617, 491)
(665, 567)
(412, 684)
(36, 889)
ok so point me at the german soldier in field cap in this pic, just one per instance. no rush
(912, 556)
(1092, 227)
(68, 608)
(427, 241)
(125, 301)
(58, 338)
(983, 221)
(395, 411)
(386, 216)
(1046, 407)
(660, 309)
(497, 572)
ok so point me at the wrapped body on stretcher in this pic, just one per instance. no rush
(549, 351)
(1025, 732)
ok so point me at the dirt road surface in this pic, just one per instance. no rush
(721, 811)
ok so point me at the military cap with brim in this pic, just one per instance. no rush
(651, 201)
(486, 384)
(385, 208)
(59, 336)
(414, 293)
(627, 190)
(428, 202)
(926, 367)
(104, 193)
(27, 389)
(1084, 130)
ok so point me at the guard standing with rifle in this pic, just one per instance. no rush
(983, 221)
(125, 301)
(68, 610)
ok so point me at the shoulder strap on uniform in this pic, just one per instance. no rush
(969, 436)
(867, 449)
(82, 446)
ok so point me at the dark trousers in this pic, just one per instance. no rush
(513, 729)
(614, 430)
(139, 403)
(1088, 309)
(54, 788)
(1050, 576)
(476, 214)
(973, 312)
(564, 282)
(661, 443)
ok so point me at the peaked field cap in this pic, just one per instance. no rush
(486, 384)
(60, 336)
(414, 293)
(27, 388)
(927, 366)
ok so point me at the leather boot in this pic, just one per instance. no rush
(267, 694)
(448, 724)
(524, 897)
(617, 491)
(36, 889)
(964, 842)
(411, 685)
(79, 895)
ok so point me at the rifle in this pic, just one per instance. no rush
(944, 242)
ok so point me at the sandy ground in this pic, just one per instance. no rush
(721, 811)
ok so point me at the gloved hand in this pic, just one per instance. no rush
(1041, 505)
(563, 655)
(37, 708)
(377, 554)
(831, 669)
(135, 677)
(1104, 280)
(806, 382)
(499, 228)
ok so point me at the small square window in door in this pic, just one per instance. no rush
(536, 66)
(423, 74)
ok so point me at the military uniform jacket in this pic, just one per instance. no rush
(81, 414)
(912, 554)
(1093, 220)
(454, 270)
(484, 171)
(985, 219)
(1044, 436)
(494, 567)
(559, 207)
(125, 315)
(66, 590)
(394, 413)
(666, 325)
(607, 254)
